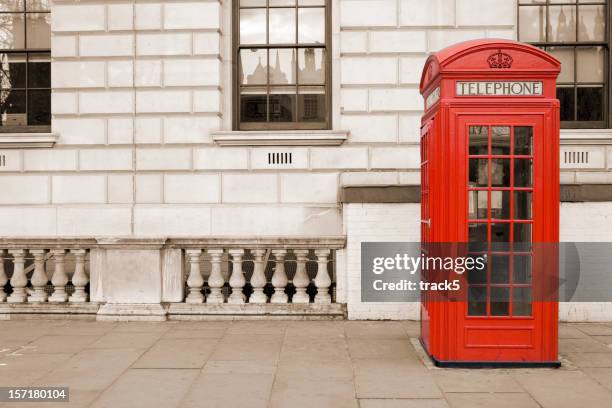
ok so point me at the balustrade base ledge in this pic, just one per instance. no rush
(156, 312)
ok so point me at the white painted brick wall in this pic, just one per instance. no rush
(77, 74)
(373, 13)
(376, 223)
(106, 159)
(23, 189)
(339, 158)
(105, 102)
(50, 160)
(192, 188)
(200, 15)
(309, 188)
(221, 159)
(78, 17)
(107, 45)
(148, 188)
(163, 44)
(148, 16)
(163, 159)
(250, 188)
(78, 189)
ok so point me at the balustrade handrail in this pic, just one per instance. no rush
(286, 242)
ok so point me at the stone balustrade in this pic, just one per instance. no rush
(118, 278)
(44, 271)
(269, 280)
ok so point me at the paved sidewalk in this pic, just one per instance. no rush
(284, 364)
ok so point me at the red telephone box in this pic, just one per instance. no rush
(490, 175)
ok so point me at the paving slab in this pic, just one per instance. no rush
(315, 369)
(62, 344)
(366, 329)
(233, 390)
(600, 329)
(298, 392)
(90, 370)
(21, 369)
(248, 347)
(403, 403)
(590, 359)
(325, 349)
(240, 367)
(368, 347)
(490, 400)
(394, 378)
(147, 388)
(130, 340)
(602, 375)
(177, 353)
(471, 381)
(564, 389)
(583, 345)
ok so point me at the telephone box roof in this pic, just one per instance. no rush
(488, 57)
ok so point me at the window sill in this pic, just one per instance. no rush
(27, 140)
(280, 138)
(586, 136)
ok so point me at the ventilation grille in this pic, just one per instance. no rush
(280, 158)
(576, 157)
(2, 160)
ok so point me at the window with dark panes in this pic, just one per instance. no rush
(576, 33)
(25, 66)
(282, 67)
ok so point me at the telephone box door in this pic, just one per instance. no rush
(504, 214)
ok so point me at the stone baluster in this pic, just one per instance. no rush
(3, 276)
(279, 278)
(215, 280)
(39, 277)
(301, 279)
(195, 281)
(79, 278)
(19, 280)
(258, 280)
(237, 280)
(322, 280)
(59, 278)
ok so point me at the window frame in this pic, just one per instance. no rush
(574, 45)
(237, 125)
(28, 52)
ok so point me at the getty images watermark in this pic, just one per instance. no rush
(564, 272)
(412, 265)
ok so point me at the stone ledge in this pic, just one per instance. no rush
(381, 194)
(280, 138)
(48, 309)
(292, 311)
(27, 140)
(128, 312)
(586, 193)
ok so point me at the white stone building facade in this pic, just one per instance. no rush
(144, 148)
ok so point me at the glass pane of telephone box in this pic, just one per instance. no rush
(500, 205)
(522, 205)
(500, 140)
(500, 268)
(478, 237)
(500, 172)
(523, 140)
(521, 301)
(479, 172)
(500, 236)
(522, 236)
(521, 269)
(478, 201)
(477, 301)
(479, 140)
(523, 173)
(477, 276)
(500, 301)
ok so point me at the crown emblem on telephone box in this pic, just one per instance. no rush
(500, 60)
